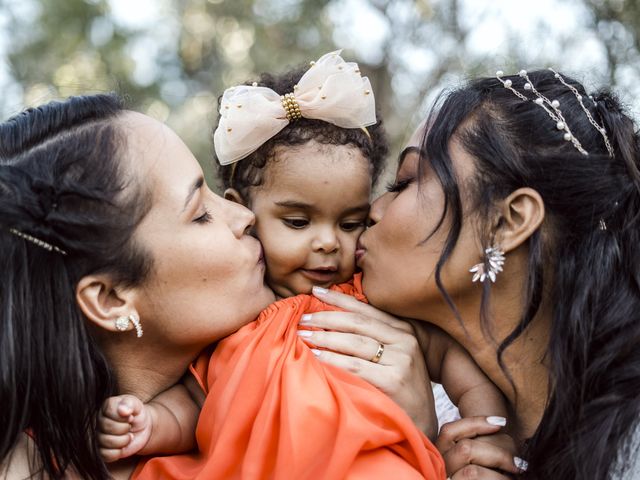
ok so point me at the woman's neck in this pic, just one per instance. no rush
(525, 379)
(145, 369)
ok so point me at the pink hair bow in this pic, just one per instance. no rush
(331, 90)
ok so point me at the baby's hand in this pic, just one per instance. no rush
(124, 427)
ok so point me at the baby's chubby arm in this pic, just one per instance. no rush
(479, 401)
(166, 424)
(465, 383)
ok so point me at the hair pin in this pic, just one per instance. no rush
(36, 241)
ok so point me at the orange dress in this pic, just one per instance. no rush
(274, 411)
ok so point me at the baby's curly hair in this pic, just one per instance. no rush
(248, 172)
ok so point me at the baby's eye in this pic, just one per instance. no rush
(296, 222)
(350, 226)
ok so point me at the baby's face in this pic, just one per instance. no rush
(310, 211)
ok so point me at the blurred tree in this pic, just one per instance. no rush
(618, 25)
(173, 58)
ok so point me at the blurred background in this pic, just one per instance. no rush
(173, 58)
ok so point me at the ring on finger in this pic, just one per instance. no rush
(378, 355)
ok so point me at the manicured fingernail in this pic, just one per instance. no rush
(319, 290)
(315, 352)
(305, 333)
(306, 318)
(520, 464)
(499, 421)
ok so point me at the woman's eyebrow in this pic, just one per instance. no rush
(405, 152)
(195, 186)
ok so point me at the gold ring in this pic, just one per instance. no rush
(376, 357)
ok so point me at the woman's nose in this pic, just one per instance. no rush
(378, 208)
(325, 240)
(240, 218)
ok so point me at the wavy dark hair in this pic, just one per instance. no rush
(587, 250)
(61, 181)
(249, 171)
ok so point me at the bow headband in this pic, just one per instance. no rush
(331, 90)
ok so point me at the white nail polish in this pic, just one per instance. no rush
(319, 290)
(305, 333)
(498, 421)
(315, 352)
(305, 318)
(520, 464)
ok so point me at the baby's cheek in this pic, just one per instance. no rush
(348, 266)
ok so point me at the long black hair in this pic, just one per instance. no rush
(61, 182)
(587, 250)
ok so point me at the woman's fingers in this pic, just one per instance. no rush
(467, 428)
(350, 304)
(474, 452)
(364, 348)
(356, 323)
(362, 368)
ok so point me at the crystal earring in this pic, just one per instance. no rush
(122, 324)
(492, 265)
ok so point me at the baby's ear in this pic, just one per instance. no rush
(233, 195)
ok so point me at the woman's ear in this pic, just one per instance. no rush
(234, 195)
(522, 214)
(102, 302)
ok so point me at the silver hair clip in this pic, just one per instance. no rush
(37, 241)
(552, 107)
(598, 127)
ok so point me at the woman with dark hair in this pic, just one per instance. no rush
(107, 233)
(514, 225)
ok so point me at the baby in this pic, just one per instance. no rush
(303, 151)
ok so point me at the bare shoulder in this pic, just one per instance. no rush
(21, 463)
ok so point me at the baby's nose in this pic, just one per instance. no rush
(326, 241)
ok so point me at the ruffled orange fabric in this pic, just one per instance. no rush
(274, 411)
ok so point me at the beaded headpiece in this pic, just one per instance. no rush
(552, 107)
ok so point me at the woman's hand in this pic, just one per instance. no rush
(474, 447)
(378, 348)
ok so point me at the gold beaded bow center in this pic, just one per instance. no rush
(291, 107)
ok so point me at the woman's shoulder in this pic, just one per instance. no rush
(20, 463)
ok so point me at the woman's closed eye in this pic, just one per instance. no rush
(399, 185)
(296, 223)
(204, 218)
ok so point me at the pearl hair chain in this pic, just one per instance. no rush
(552, 107)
